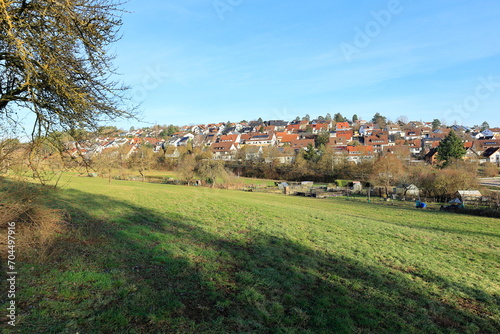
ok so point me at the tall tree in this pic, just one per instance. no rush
(485, 126)
(451, 148)
(387, 171)
(402, 120)
(436, 124)
(322, 139)
(354, 118)
(338, 117)
(54, 61)
(169, 131)
(142, 159)
(211, 170)
(186, 168)
(379, 120)
(311, 154)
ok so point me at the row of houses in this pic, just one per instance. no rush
(357, 141)
(354, 140)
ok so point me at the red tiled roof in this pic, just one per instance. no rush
(246, 136)
(335, 141)
(229, 138)
(152, 141)
(223, 147)
(360, 150)
(293, 127)
(300, 143)
(343, 126)
(378, 140)
(345, 134)
(260, 137)
(322, 126)
(289, 138)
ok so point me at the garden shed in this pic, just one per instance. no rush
(407, 190)
(469, 195)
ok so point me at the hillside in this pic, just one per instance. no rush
(153, 258)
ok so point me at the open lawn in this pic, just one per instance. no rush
(154, 258)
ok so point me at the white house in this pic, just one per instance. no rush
(492, 155)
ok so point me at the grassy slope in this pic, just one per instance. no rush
(176, 176)
(156, 258)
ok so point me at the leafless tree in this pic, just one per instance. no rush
(54, 62)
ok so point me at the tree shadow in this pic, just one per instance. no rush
(145, 271)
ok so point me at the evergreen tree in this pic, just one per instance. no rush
(322, 139)
(436, 124)
(338, 117)
(310, 153)
(354, 118)
(451, 148)
(379, 120)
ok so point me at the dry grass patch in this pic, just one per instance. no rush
(37, 226)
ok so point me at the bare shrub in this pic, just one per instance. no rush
(490, 170)
(37, 226)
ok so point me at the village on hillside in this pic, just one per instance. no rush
(355, 140)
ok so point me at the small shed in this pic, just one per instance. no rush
(356, 186)
(283, 185)
(407, 190)
(469, 195)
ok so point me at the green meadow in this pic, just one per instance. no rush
(153, 258)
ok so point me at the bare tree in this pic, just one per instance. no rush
(387, 171)
(142, 159)
(211, 170)
(8, 144)
(54, 62)
(186, 168)
(106, 162)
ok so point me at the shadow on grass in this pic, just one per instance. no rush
(143, 271)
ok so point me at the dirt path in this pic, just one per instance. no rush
(490, 182)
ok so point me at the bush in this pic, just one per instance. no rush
(37, 226)
(490, 170)
(342, 183)
(493, 213)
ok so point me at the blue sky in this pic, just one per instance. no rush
(200, 61)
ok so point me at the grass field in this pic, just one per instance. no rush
(165, 175)
(154, 258)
